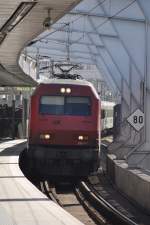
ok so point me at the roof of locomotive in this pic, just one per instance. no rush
(71, 82)
(67, 81)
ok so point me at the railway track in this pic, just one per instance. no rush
(103, 207)
(85, 203)
(66, 197)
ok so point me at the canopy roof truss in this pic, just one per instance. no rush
(93, 32)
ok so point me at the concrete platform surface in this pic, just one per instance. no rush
(21, 203)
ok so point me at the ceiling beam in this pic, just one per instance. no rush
(105, 16)
(63, 29)
(64, 42)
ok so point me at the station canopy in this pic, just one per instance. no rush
(20, 22)
(106, 33)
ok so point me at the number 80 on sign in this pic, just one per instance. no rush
(136, 120)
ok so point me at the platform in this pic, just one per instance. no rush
(133, 182)
(109, 192)
(21, 203)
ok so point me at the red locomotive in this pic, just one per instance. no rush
(64, 128)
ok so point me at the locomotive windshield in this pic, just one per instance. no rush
(65, 105)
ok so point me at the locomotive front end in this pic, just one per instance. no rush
(64, 129)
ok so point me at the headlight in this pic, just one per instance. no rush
(68, 90)
(83, 138)
(45, 136)
(80, 138)
(65, 90)
(62, 90)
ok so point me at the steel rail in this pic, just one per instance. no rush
(50, 191)
(103, 207)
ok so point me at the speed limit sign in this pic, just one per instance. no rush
(136, 120)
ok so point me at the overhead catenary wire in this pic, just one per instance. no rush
(65, 25)
(99, 4)
(42, 39)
